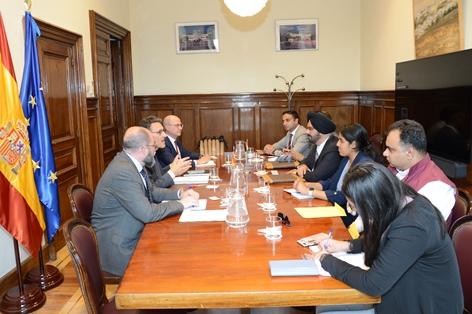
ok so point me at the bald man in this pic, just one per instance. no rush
(125, 200)
(173, 128)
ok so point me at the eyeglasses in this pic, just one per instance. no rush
(285, 219)
(158, 132)
(178, 125)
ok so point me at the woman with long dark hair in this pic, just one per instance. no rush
(353, 144)
(411, 258)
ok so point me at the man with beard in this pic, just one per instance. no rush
(323, 160)
(163, 177)
(296, 140)
(125, 201)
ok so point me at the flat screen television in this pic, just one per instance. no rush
(437, 92)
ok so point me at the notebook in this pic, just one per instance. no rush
(293, 267)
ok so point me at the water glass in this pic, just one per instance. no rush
(228, 159)
(214, 174)
(263, 185)
(273, 227)
(269, 201)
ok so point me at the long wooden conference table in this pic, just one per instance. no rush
(209, 265)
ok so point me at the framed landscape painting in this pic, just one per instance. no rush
(296, 34)
(198, 37)
(438, 27)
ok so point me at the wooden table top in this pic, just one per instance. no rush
(209, 265)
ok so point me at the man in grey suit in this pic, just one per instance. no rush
(163, 177)
(125, 201)
(296, 139)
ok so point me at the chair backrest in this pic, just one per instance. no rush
(461, 207)
(82, 243)
(461, 235)
(81, 201)
(377, 140)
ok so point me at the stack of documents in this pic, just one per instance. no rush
(200, 179)
(208, 164)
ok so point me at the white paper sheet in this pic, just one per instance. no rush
(203, 215)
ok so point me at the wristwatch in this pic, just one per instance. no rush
(310, 191)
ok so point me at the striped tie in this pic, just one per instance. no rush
(148, 195)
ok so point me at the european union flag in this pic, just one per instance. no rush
(34, 108)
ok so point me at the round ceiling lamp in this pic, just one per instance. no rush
(245, 7)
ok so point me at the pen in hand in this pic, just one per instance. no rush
(329, 238)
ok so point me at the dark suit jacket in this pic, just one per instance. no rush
(159, 175)
(167, 155)
(330, 185)
(326, 164)
(121, 209)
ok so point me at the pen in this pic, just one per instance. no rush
(329, 238)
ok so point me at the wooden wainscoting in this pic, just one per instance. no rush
(258, 116)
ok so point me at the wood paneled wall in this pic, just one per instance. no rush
(258, 116)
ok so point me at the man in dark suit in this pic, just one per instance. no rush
(323, 160)
(173, 127)
(163, 177)
(125, 201)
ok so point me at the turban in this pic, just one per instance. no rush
(321, 122)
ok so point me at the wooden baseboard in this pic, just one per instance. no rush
(10, 280)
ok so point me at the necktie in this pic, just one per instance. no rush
(176, 147)
(143, 173)
(290, 141)
(316, 159)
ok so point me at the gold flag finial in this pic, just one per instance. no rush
(28, 5)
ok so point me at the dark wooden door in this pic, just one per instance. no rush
(107, 95)
(62, 78)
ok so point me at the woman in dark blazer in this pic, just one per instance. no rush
(353, 144)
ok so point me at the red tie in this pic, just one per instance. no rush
(290, 141)
(176, 147)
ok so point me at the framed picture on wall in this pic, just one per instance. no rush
(296, 34)
(200, 37)
(438, 27)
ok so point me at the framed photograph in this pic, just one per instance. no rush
(198, 37)
(438, 27)
(296, 34)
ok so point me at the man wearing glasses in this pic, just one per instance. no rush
(125, 200)
(163, 177)
(173, 128)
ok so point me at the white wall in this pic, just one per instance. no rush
(247, 61)
(387, 38)
(360, 42)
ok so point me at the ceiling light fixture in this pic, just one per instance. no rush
(245, 7)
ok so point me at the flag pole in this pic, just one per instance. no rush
(44, 276)
(24, 298)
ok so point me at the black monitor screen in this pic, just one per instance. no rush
(437, 92)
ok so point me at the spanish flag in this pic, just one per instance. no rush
(20, 210)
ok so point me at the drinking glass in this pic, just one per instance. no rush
(269, 201)
(273, 227)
